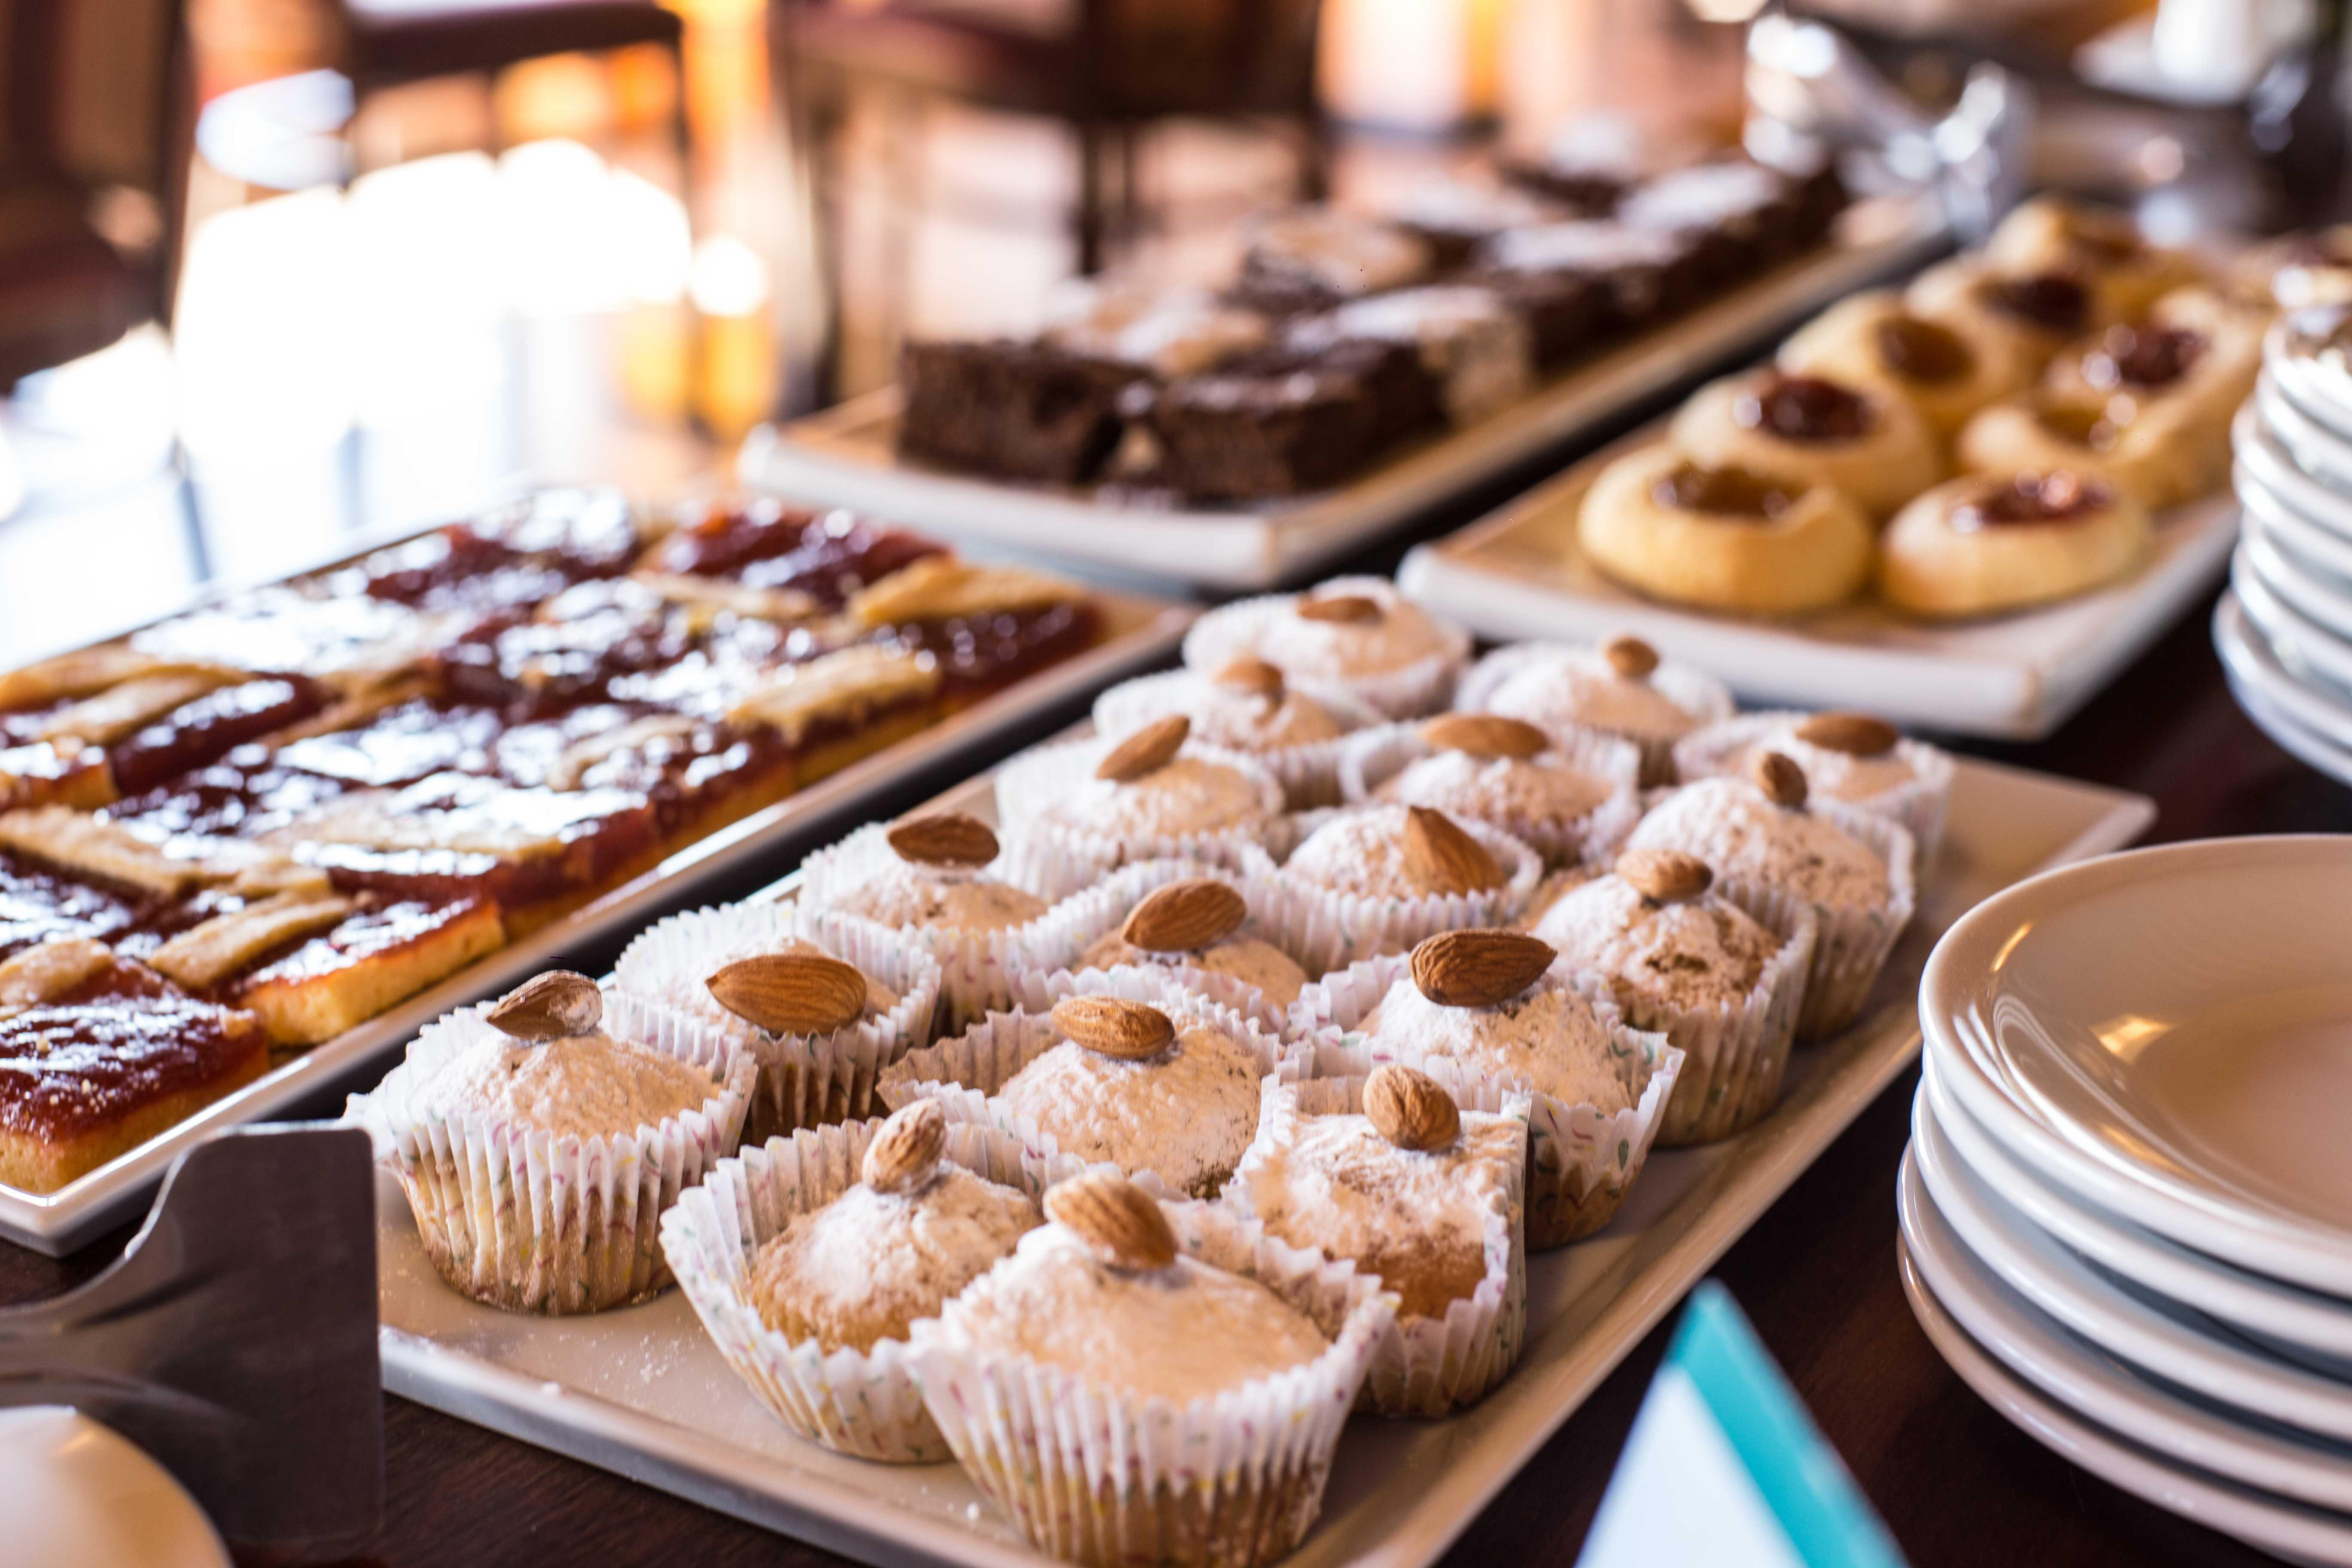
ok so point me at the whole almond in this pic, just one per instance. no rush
(549, 1006)
(906, 1149)
(1855, 734)
(1665, 875)
(944, 838)
(1629, 657)
(1184, 917)
(1410, 1109)
(791, 993)
(1479, 968)
(1483, 735)
(1254, 676)
(1442, 859)
(1778, 776)
(1120, 1223)
(1347, 609)
(1146, 752)
(1115, 1026)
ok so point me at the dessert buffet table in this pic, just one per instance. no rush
(1817, 1273)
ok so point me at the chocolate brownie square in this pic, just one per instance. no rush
(1455, 217)
(1281, 422)
(1743, 216)
(1311, 259)
(1020, 410)
(1581, 284)
(1472, 350)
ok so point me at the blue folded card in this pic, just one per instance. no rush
(1724, 1469)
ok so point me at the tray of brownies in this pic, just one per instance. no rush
(247, 847)
(1968, 503)
(1358, 369)
(1239, 1130)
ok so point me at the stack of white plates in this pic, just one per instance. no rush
(2285, 630)
(2127, 1209)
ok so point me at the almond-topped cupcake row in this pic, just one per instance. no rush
(1119, 1147)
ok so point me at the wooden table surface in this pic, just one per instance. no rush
(1955, 1482)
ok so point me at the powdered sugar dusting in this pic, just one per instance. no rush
(1728, 824)
(1191, 794)
(1187, 1113)
(1581, 689)
(906, 894)
(1547, 1038)
(584, 1086)
(1659, 959)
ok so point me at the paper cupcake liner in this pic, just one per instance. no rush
(1853, 944)
(1045, 853)
(1308, 771)
(525, 1220)
(1734, 1055)
(1034, 990)
(1325, 929)
(1411, 690)
(1376, 756)
(965, 1073)
(805, 1081)
(1581, 1161)
(1428, 1366)
(1919, 805)
(1706, 699)
(1099, 1478)
(864, 1402)
(974, 966)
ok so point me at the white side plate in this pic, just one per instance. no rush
(1140, 632)
(844, 456)
(643, 1394)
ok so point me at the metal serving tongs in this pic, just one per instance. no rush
(234, 1341)
(1808, 82)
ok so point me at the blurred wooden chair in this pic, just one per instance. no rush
(1107, 69)
(95, 124)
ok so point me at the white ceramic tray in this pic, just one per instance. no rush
(843, 456)
(1140, 632)
(642, 1392)
(1517, 572)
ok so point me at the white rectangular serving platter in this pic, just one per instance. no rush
(642, 1392)
(846, 457)
(1140, 632)
(1517, 572)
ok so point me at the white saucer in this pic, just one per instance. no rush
(2282, 1314)
(2181, 1349)
(2248, 656)
(2319, 595)
(2069, 1014)
(2094, 1383)
(2302, 645)
(74, 1494)
(2318, 389)
(2312, 750)
(2262, 455)
(2291, 1530)
(2312, 544)
(2317, 450)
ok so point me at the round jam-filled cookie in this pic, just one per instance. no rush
(1723, 538)
(2158, 453)
(2030, 314)
(2297, 270)
(2195, 348)
(1800, 431)
(1985, 544)
(1871, 341)
(2102, 247)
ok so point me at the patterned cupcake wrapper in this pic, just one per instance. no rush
(863, 1402)
(1308, 771)
(1327, 930)
(1706, 699)
(1581, 1161)
(1734, 1057)
(1099, 1478)
(1375, 757)
(1411, 690)
(805, 1081)
(975, 966)
(1059, 858)
(1427, 1366)
(1920, 806)
(1034, 990)
(525, 1220)
(965, 1073)
(1853, 944)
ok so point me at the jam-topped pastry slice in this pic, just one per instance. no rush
(89, 749)
(40, 903)
(1940, 366)
(513, 556)
(352, 643)
(1723, 536)
(1804, 430)
(98, 1054)
(983, 627)
(1986, 543)
(762, 543)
